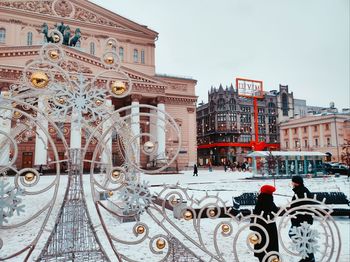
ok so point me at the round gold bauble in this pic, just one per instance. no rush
(173, 201)
(148, 147)
(160, 243)
(254, 239)
(109, 60)
(110, 193)
(140, 230)
(29, 177)
(61, 100)
(39, 79)
(118, 87)
(188, 215)
(116, 174)
(225, 228)
(56, 38)
(275, 259)
(98, 102)
(54, 54)
(211, 213)
(17, 114)
(110, 43)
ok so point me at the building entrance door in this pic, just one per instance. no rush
(27, 159)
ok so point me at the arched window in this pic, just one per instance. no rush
(121, 53)
(221, 104)
(29, 38)
(232, 104)
(136, 56)
(2, 35)
(142, 56)
(285, 104)
(92, 48)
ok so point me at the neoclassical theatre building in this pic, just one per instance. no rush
(21, 26)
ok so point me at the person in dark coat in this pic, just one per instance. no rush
(301, 191)
(266, 205)
(195, 170)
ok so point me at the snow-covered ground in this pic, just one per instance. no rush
(226, 184)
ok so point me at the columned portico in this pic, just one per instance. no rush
(41, 139)
(161, 128)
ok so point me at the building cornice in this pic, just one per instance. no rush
(314, 120)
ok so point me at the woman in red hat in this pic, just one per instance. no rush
(266, 208)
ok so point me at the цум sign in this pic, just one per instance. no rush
(249, 88)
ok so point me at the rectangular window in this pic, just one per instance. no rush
(304, 129)
(136, 56)
(316, 142)
(315, 128)
(2, 35)
(121, 53)
(327, 126)
(30, 38)
(142, 56)
(294, 130)
(286, 144)
(305, 143)
(328, 141)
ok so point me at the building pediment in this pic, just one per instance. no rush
(81, 11)
(75, 61)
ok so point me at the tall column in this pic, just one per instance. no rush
(321, 136)
(5, 126)
(291, 145)
(192, 137)
(161, 128)
(300, 139)
(311, 143)
(75, 133)
(107, 143)
(41, 139)
(153, 127)
(135, 123)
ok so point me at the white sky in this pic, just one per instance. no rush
(301, 43)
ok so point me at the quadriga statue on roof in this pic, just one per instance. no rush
(66, 33)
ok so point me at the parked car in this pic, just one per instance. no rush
(332, 168)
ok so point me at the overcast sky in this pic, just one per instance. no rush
(300, 43)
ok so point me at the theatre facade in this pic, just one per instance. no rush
(89, 26)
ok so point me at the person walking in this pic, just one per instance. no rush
(300, 191)
(267, 208)
(195, 170)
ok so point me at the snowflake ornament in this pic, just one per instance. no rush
(87, 102)
(10, 201)
(304, 239)
(136, 197)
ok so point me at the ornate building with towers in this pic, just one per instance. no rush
(227, 127)
(85, 28)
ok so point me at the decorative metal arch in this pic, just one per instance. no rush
(48, 94)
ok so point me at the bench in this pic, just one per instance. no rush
(331, 198)
(335, 198)
(246, 199)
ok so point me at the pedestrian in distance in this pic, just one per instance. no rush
(41, 169)
(267, 209)
(300, 192)
(195, 170)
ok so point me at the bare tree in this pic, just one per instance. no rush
(272, 162)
